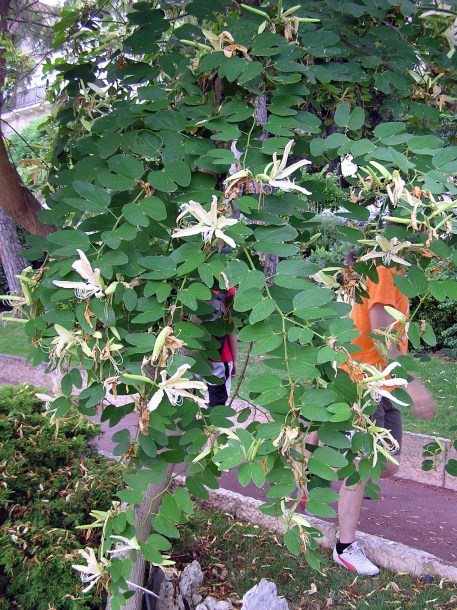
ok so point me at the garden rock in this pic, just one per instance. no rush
(166, 594)
(264, 596)
(211, 603)
(190, 581)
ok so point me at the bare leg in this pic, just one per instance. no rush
(349, 507)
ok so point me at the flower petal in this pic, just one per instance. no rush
(290, 170)
(155, 400)
(228, 240)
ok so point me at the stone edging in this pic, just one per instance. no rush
(411, 459)
(385, 553)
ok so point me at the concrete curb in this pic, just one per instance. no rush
(385, 553)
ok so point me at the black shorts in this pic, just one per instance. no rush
(387, 416)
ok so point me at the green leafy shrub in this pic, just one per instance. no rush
(49, 484)
(441, 316)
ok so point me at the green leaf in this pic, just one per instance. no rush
(134, 215)
(318, 500)
(115, 182)
(244, 474)
(228, 458)
(96, 196)
(161, 181)
(70, 240)
(321, 469)
(451, 467)
(200, 291)
(126, 166)
(93, 395)
(233, 68)
(183, 500)
(314, 296)
(414, 284)
(450, 288)
(170, 509)
(164, 526)
(179, 172)
(151, 553)
(266, 345)
(162, 267)
(356, 119)
(262, 310)
(130, 496)
(341, 116)
(292, 541)
(264, 382)
(252, 70)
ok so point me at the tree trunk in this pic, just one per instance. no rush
(10, 257)
(15, 199)
(143, 514)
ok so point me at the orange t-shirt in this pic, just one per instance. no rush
(384, 293)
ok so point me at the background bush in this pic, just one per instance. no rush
(441, 316)
(48, 486)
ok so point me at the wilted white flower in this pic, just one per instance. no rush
(348, 169)
(376, 382)
(93, 571)
(91, 287)
(388, 252)
(210, 225)
(130, 544)
(65, 340)
(398, 186)
(176, 388)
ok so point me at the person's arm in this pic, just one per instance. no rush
(424, 405)
(233, 344)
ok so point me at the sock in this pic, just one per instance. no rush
(341, 546)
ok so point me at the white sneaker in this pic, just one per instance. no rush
(353, 558)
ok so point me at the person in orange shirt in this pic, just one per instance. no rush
(369, 316)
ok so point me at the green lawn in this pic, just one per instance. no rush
(13, 340)
(438, 374)
(235, 555)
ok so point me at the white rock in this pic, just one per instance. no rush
(190, 581)
(211, 603)
(264, 596)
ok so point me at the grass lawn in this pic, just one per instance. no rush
(438, 374)
(13, 340)
(235, 555)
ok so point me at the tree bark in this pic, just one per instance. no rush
(15, 199)
(143, 515)
(10, 256)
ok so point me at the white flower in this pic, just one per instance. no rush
(388, 252)
(376, 382)
(130, 544)
(210, 225)
(65, 340)
(348, 169)
(398, 187)
(176, 388)
(276, 173)
(93, 571)
(93, 284)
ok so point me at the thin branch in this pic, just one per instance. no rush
(242, 374)
(25, 142)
